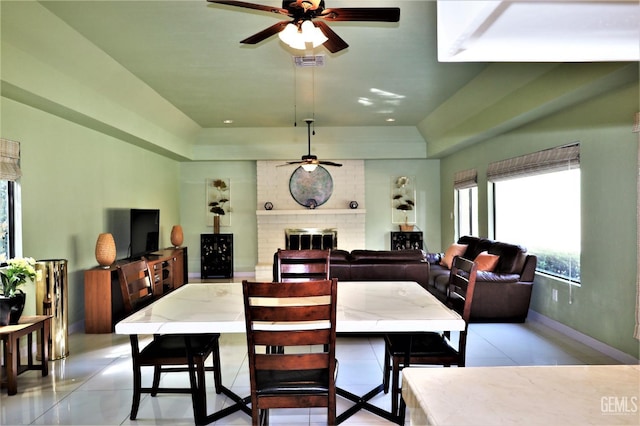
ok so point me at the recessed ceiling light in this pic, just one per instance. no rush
(227, 121)
(390, 120)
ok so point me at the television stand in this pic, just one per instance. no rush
(103, 305)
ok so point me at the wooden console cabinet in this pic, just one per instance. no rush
(103, 305)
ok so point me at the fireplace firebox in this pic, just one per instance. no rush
(311, 239)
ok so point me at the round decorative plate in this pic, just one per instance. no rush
(311, 189)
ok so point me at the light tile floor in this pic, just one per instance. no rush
(93, 384)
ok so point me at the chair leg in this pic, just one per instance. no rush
(193, 382)
(137, 385)
(386, 370)
(395, 386)
(331, 411)
(201, 392)
(403, 411)
(256, 415)
(156, 380)
(217, 370)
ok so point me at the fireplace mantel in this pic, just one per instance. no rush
(309, 212)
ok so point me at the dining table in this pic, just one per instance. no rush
(363, 307)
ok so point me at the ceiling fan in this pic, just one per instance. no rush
(301, 29)
(310, 162)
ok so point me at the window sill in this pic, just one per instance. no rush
(558, 279)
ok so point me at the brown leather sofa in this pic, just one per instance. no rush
(377, 265)
(500, 296)
(380, 265)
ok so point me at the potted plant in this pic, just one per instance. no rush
(12, 298)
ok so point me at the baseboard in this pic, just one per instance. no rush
(76, 327)
(612, 352)
(235, 274)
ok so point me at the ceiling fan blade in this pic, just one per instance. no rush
(266, 33)
(251, 6)
(376, 14)
(330, 163)
(334, 43)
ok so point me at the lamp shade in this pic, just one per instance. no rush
(177, 237)
(297, 36)
(105, 250)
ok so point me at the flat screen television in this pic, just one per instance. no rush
(145, 231)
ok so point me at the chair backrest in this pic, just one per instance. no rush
(302, 265)
(135, 284)
(304, 314)
(462, 284)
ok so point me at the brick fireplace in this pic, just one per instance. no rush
(335, 214)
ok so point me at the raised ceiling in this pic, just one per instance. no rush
(188, 52)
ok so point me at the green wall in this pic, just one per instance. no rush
(603, 307)
(193, 209)
(77, 183)
(378, 174)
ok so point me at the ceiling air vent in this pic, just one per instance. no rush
(309, 61)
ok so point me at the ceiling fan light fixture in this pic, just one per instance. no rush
(297, 36)
(309, 167)
(309, 162)
(312, 34)
(292, 37)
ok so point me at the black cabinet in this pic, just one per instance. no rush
(406, 240)
(216, 255)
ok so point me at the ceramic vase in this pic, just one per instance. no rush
(105, 250)
(177, 237)
(11, 308)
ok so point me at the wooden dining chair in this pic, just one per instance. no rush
(136, 284)
(166, 353)
(302, 265)
(300, 316)
(431, 348)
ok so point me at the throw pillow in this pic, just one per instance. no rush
(453, 251)
(486, 262)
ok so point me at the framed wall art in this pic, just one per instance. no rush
(403, 200)
(218, 202)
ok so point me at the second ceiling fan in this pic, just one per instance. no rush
(303, 12)
(310, 162)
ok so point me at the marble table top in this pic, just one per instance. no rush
(538, 395)
(372, 306)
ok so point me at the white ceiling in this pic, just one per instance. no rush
(538, 31)
(189, 52)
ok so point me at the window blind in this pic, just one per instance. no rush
(9, 160)
(465, 179)
(546, 161)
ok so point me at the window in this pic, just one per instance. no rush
(6, 237)
(537, 205)
(9, 172)
(465, 184)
